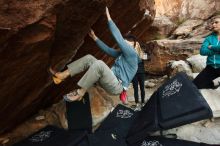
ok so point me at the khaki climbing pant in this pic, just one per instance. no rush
(97, 71)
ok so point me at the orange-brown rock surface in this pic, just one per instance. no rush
(180, 20)
(181, 10)
(101, 105)
(162, 51)
(36, 34)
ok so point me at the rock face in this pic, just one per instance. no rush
(101, 105)
(37, 34)
(200, 9)
(184, 23)
(191, 66)
(16, 15)
(186, 9)
(189, 16)
(164, 25)
(162, 51)
(187, 27)
(179, 66)
(169, 8)
(197, 62)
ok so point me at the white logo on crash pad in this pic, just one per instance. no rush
(124, 114)
(171, 89)
(43, 135)
(151, 143)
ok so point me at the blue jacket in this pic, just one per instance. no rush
(126, 63)
(213, 53)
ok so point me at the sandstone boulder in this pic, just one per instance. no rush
(197, 62)
(162, 51)
(185, 29)
(101, 105)
(164, 25)
(200, 9)
(179, 66)
(37, 34)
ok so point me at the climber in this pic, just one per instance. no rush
(115, 80)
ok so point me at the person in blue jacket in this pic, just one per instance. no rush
(114, 80)
(211, 49)
(139, 78)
